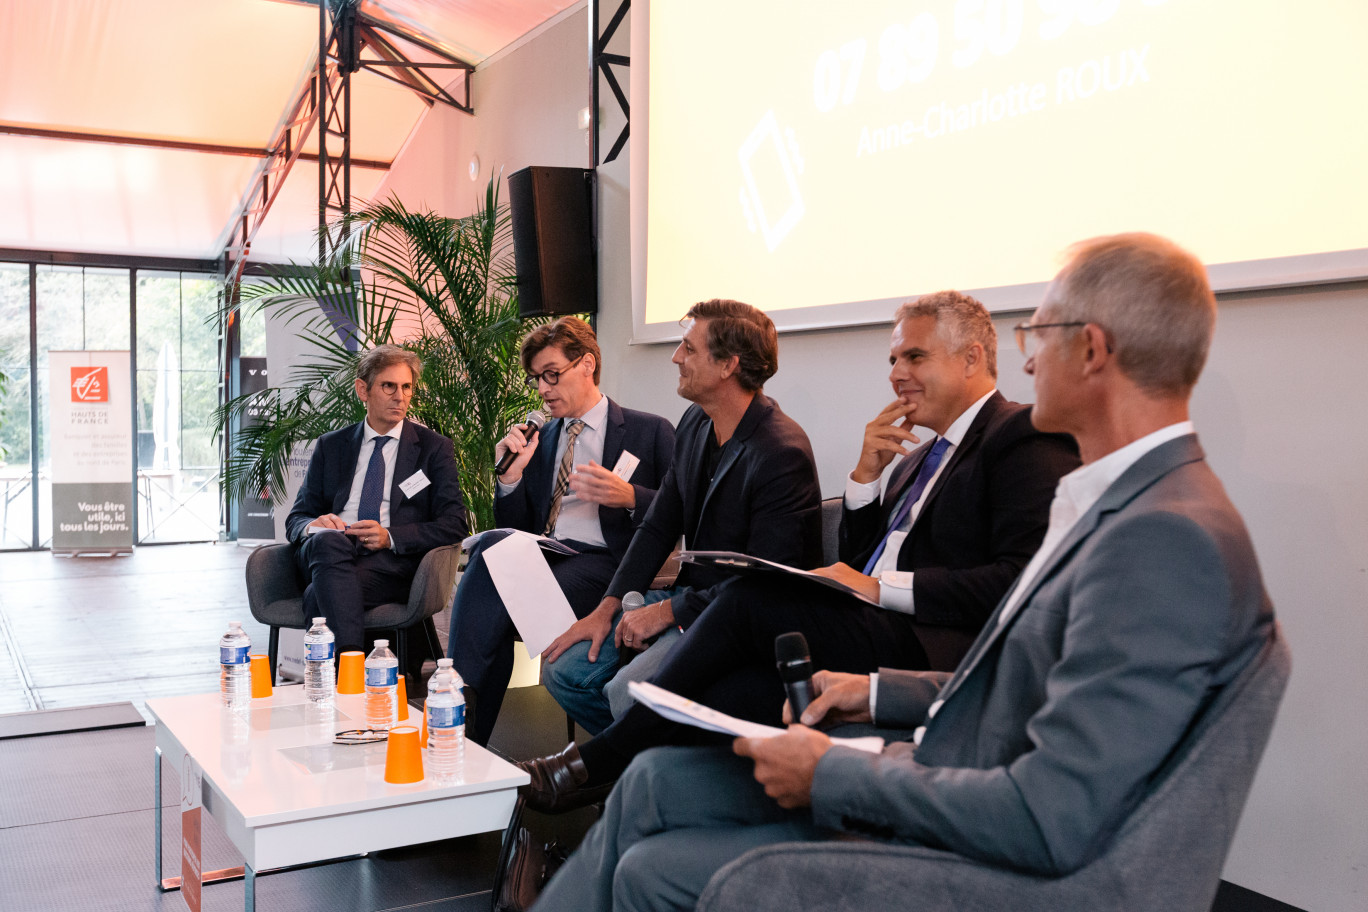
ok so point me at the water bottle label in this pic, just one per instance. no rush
(319, 652)
(446, 716)
(233, 655)
(387, 676)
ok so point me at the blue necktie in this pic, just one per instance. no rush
(373, 488)
(924, 473)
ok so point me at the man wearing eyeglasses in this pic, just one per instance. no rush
(560, 484)
(377, 496)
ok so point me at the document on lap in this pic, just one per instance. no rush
(535, 602)
(685, 711)
(733, 560)
(546, 544)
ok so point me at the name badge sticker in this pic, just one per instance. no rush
(414, 483)
(626, 465)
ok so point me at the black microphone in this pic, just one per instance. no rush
(535, 419)
(795, 670)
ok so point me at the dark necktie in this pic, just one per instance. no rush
(924, 473)
(373, 487)
(567, 463)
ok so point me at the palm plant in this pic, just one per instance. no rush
(440, 287)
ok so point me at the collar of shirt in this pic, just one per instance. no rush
(1081, 488)
(595, 418)
(369, 433)
(960, 426)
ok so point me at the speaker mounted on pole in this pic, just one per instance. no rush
(553, 240)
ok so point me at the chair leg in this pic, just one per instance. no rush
(401, 648)
(569, 729)
(273, 650)
(434, 644)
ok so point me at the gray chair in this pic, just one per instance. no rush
(276, 600)
(1167, 856)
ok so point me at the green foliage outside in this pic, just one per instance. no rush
(440, 287)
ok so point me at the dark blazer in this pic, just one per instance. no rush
(981, 523)
(1046, 735)
(648, 437)
(763, 501)
(434, 516)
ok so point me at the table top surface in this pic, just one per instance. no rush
(278, 763)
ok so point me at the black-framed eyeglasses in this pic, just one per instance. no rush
(1028, 343)
(550, 377)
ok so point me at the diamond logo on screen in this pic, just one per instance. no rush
(90, 384)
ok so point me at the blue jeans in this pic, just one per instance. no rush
(674, 818)
(578, 684)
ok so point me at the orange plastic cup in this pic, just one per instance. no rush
(403, 756)
(261, 676)
(403, 700)
(351, 673)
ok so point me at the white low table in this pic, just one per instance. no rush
(286, 795)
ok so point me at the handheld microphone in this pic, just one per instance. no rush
(795, 670)
(535, 419)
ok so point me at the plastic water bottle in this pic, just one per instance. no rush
(235, 669)
(445, 710)
(319, 673)
(382, 687)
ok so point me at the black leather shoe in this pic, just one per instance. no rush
(558, 781)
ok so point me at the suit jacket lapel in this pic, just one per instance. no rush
(1147, 470)
(967, 445)
(405, 464)
(613, 435)
(760, 406)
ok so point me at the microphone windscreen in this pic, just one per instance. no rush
(632, 601)
(535, 419)
(791, 647)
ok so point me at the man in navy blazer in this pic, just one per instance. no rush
(1142, 603)
(377, 496)
(596, 511)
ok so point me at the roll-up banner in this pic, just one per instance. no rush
(91, 434)
(256, 515)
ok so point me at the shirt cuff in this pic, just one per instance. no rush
(503, 490)
(874, 697)
(860, 495)
(895, 591)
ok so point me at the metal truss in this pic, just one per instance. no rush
(600, 61)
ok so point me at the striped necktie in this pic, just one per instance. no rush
(924, 473)
(567, 463)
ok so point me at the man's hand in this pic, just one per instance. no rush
(840, 698)
(595, 628)
(594, 483)
(329, 521)
(883, 439)
(519, 443)
(785, 764)
(370, 534)
(847, 575)
(638, 626)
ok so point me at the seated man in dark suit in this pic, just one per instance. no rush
(377, 496)
(962, 515)
(1144, 600)
(564, 489)
(743, 479)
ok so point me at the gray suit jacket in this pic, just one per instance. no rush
(1052, 725)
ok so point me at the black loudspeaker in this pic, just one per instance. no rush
(553, 240)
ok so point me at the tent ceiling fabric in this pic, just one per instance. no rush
(219, 72)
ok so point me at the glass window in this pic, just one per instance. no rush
(16, 475)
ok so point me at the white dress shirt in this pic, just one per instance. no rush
(390, 456)
(578, 519)
(1075, 495)
(895, 586)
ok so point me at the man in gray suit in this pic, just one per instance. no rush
(1144, 600)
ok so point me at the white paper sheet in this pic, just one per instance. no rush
(534, 600)
(681, 709)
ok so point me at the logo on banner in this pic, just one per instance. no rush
(90, 384)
